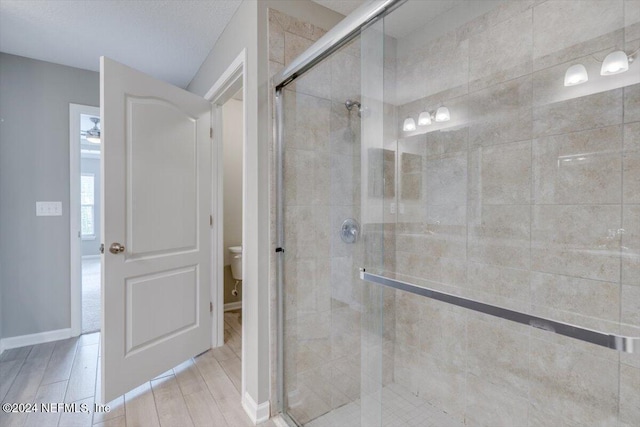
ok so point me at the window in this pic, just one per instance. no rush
(87, 206)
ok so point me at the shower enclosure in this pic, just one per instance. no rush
(458, 214)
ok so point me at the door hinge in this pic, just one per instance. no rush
(210, 307)
(211, 220)
(211, 133)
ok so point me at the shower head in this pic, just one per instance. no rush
(350, 104)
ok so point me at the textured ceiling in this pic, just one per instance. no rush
(166, 39)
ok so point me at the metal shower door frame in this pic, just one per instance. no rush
(338, 36)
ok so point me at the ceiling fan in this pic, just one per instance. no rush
(92, 135)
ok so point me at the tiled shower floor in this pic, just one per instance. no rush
(400, 408)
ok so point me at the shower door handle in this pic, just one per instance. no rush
(605, 339)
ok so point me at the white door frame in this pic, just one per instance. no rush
(75, 248)
(224, 88)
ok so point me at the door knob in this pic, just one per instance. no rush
(116, 248)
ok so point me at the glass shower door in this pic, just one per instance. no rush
(332, 319)
(516, 257)
(493, 280)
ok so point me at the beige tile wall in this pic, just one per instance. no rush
(530, 201)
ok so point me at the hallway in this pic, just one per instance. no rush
(90, 295)
(203, 391)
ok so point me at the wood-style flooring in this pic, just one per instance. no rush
(203, 391)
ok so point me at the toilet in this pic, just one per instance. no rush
(236, 262)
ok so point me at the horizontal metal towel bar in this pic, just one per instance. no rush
(613, 341)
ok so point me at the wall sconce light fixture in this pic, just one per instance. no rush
(575, 75)
(409, 125)
(443, 115)
(615, 63)
(424, 119)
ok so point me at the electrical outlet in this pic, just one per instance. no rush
(48, 208)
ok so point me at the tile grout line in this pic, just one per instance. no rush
(95, 388)
(182, 393)
(14, 378)
(124, 408)
(75, 353)
(210, 393)
(95, 382)
(41, 378)
(155, 405)
(46, 366)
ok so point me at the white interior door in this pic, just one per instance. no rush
(156, 193)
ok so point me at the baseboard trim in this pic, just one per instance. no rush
(257, 413)
(233, 306)
(33, 339)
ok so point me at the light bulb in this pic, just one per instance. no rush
(575, 75)
(424, 119)
(443, 115)
(409, 125)
(615, 63)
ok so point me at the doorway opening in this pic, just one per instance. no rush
(90, 220)
(85, 214)
(229, 120)
(232, 155)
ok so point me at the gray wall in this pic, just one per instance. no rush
(34, 165)
(1, 334)
(92, 247)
